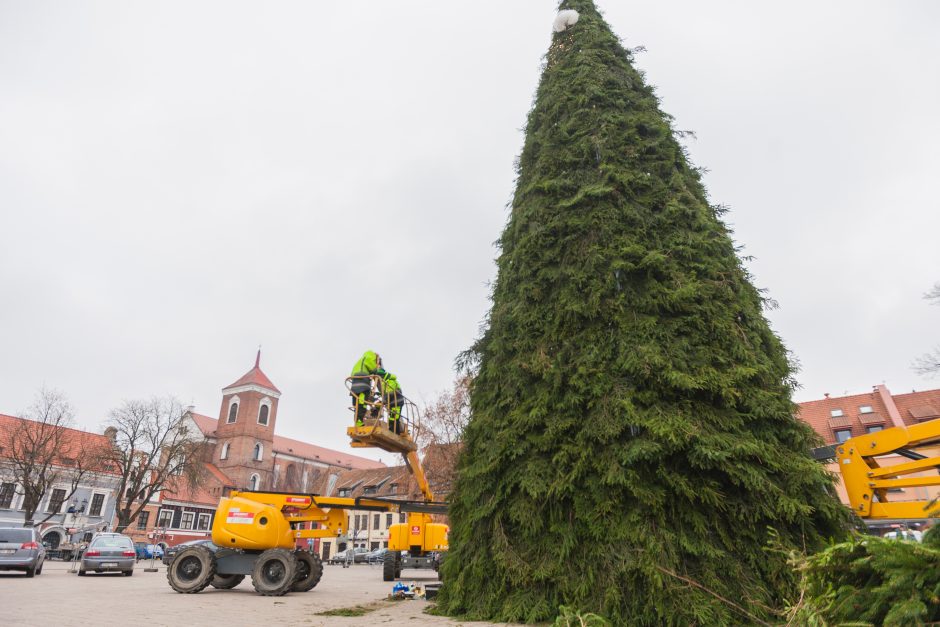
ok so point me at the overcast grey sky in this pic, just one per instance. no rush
(182, 181)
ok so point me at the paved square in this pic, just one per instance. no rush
(57, 597)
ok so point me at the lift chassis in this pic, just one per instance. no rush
(254, 534)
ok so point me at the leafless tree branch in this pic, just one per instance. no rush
(152, 448)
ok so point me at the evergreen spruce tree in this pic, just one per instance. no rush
(632, 429)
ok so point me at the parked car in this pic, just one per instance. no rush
(171, 551)
(108, 552)
(358, 556)
(146, 551)
(21, 548)
(377, 556)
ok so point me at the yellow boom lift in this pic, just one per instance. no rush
(422, 538)
(254, 532)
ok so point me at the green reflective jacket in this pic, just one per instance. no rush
(391, 383)
(367, 364)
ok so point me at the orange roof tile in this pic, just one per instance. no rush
(298, 448)
(322, 454)
(256, 377)
(911, 407)
(917, 406)
(78, 443)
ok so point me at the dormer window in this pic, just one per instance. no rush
(344, 491)
(259, 452)
(836, 413)
(232, 411)
(263, 415)
(369, 489)
(865, 409)
(224, 454)
(392, 488)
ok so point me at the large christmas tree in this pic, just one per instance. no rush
(632, 441)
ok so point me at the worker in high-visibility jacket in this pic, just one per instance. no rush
(360, 388)
(394, 399)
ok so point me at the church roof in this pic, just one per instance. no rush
(254, 377)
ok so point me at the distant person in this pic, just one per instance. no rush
(361, 387)
(394, 399)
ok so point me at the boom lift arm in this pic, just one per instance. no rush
(868, 483)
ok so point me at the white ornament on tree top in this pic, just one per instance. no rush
(564, 19)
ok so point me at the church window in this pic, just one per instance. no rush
(259, 451)
(263, 415)
(233, 412)
(224, 454)
(254, 482)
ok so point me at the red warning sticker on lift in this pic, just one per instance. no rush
(298, 500)
(240, 518)
(415, 530)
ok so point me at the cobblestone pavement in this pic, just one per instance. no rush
(57, 597)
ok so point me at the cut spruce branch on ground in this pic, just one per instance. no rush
(631, 424)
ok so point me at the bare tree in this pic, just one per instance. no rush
(153, 447)
(44, 452)
(929, 363)
(440, 433)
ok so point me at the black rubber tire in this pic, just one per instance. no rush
(81, 573)
(128, 573)
(274, 572)
(31, 572)
(192, 570)
(390, 572)
(226, 582)
(309, 571)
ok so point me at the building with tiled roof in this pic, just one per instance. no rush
(838, 418)
(62, 512)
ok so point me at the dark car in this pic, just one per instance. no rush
(108, 552)
(377, 556)
(357, 556)
(170, 552)
(21, 549)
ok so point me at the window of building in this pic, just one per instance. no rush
(392, 488)
(55, 501)
(843, 434)
(259, 451)
(254, 482)
(388, 520)
(97, 502)
(142, 519)
(385, 545)
(874, 428)
(165, 518)
(402, 518)
(6, 495)
(224, 454)
(373, 546)
(187, 521)
(344, 491)
(865, 409)
(375, 522)
(263, 415)
(836, 413)
(203, 523)
(369, 489)
(232, 412)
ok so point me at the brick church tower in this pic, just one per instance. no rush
(245, 432)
